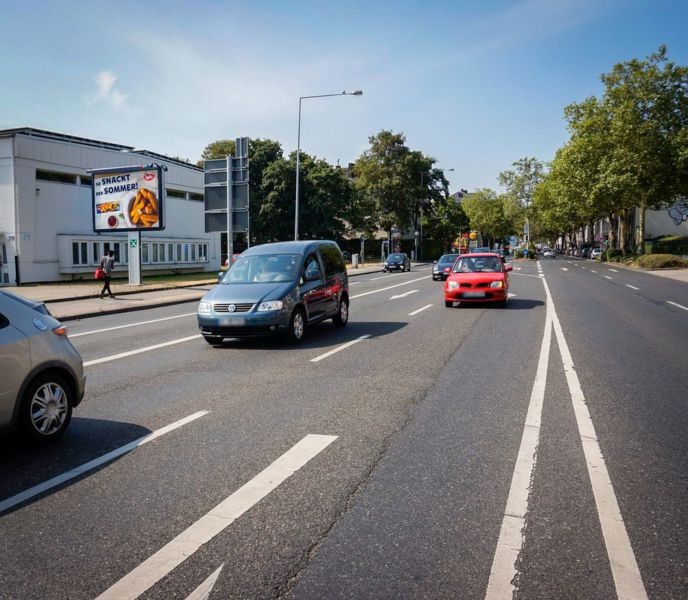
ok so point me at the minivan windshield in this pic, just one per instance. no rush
(263, 268)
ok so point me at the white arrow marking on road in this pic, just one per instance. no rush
(396, 297)
(510, 295)
(170, 556)
(389, 287)
(202, 592)
(96, 462)
(74, 335)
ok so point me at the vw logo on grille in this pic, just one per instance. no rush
(231, 307)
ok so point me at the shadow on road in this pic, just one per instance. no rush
(513, 304)
(23, 466)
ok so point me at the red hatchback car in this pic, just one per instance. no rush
(477, 277)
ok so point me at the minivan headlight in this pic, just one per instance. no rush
(204, 307)
(270, 305)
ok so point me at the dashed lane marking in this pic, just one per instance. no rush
(613, 270)
(608, 277)
(98, 361)
(170, 556)
(96, 462)
(632, 286)
(75, 335)
(677, 305)
(340, 348)
(415, 312)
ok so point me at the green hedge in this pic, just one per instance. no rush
(671, 244)
(661, 261)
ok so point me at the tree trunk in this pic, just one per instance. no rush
(641, 224)
(622, 232)
(612, 232)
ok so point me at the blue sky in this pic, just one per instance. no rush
(476, 85)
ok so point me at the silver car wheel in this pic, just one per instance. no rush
(298, 326)
(49, 408)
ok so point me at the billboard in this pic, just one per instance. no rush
(128, 199)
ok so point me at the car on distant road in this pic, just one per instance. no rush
(549, 253)
(42, 373)
(480, 249)
(478, 278)
(442, 266)
(596, 253)
(398, 261)
(282, 287)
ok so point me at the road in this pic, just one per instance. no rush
(420, 452)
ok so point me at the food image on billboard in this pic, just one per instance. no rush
(127, 200)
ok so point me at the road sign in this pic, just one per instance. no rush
(133, 243)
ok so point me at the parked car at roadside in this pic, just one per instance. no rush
(549, 253)
(596, 252)
(442, 266)
(42, 372)
(282, 287)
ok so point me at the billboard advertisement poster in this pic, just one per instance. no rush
(128, 199)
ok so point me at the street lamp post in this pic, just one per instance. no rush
(298, 152)
(421, 213)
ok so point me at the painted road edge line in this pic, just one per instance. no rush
(339, 348)
(625, 571)
(74, 335)
(415, 312)
(677, 305)
(155, 567)
(511, 534)
(98, 361)
(96, 462)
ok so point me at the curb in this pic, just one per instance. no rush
(126, 309)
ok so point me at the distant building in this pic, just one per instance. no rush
(46, 216)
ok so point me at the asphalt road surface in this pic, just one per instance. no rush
(537, 451)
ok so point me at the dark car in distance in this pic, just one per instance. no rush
(398, 261)
(277, 288)
(443, 266)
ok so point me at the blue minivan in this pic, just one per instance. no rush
(277, 288)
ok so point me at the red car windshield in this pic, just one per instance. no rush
(478, 264)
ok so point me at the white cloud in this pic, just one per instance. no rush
(106, 92)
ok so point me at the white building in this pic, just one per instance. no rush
(46, 226)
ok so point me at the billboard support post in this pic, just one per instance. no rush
(230, 210)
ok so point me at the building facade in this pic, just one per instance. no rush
(46, 227)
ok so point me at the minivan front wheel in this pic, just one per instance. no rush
(46, 408)
(297, 326)
(342, 316)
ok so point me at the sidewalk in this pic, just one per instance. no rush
(70, 301)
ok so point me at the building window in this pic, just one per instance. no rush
(53, 176)
(85, 180)
(195, 196)
(179, 253)
(79, 253)
(175, 193)
(186, 252)
(193, 252)
(162, 253)
(96, 253)
(155, 257)
(144, 253)
(202, 252)
(170, 252)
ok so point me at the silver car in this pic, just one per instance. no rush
(41, 373)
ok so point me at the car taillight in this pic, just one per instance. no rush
(60, 330)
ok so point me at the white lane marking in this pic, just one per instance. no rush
(510, 295)
(593, 271)
(397, 296)
(511, 535)
(154, 568)
(96, 462)
(627, 578)
(608, 277)
(98, 361)
(415, 312)
(74, 335)
(354, 282)
(613, 270)
(382, 277)
(677, 305)
(202, 592)
(632, 286)
(564, 269)
(389, 287)
(340, 348)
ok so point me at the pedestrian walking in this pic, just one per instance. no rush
(107, 263)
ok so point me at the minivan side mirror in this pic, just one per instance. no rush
(219, 276)
(312, 275)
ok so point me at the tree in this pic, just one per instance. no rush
(520, 184)
(485, 210)
(446, 222)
